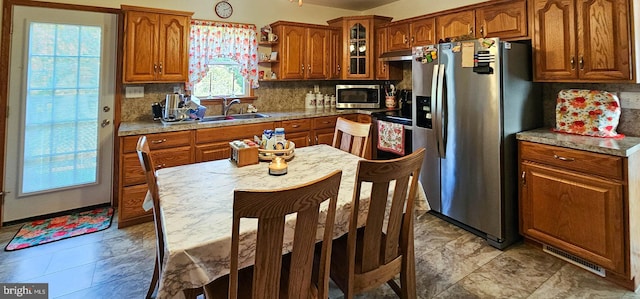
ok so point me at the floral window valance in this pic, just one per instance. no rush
(210, 39)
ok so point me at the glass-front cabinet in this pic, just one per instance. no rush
(358, 44)
(357, 49)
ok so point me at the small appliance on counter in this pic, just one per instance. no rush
(174, 108)
(178, 108)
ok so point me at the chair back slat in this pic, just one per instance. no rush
(373, 228)
(268, 263)
(271, 207)
(381, 244)
(351, 136)
(391, 242)
(302, 254)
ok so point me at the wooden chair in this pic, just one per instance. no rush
(351, 136)
(272, 276)
(144, 155)
(371, 255)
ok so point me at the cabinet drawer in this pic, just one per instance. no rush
(158, 141)
(132, 171)
(231, 133)
(577, 160)
(131, 202)
(324, 122)
(296, 125)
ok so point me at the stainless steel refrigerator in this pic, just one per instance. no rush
(470, 98)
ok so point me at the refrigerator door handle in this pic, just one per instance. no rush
(440, 107)
(436, 105)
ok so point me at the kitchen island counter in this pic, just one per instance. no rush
(150, 127)
(623, 147)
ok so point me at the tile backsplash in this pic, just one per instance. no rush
(629, 95)
(276, 95)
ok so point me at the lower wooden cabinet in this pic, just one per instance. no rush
(167, 149)
(579, 202)
(213, 143)
(578, 213)
(298, 131)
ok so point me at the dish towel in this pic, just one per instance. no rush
(391, 137)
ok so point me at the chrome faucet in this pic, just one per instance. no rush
(226, 106)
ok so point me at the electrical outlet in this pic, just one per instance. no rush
(134, 92)
(630, 100)
(177, 89)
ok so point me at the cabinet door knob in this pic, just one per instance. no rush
(412, 39)
(573, 63)
(160, 68)
(523, 177)
(158, 141)
(406, 40)
(309, 69)
(581, 63)
(561, 158)
(295, 126)
(155, 68)
(482, 31)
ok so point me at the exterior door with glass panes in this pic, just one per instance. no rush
(357, 61)
(59, 143)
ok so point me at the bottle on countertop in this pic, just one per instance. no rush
(280, 141)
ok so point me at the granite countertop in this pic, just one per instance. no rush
(150, 127)
(623, 147)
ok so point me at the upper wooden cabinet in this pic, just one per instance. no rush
(423, 32)
(335, 59)
(403, 36)
(156, 45)
(506, 20)
(304, 50)
(584, 40)
(385, 70)
(455, 24)
(358, 45)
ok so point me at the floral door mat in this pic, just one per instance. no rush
(44, 231)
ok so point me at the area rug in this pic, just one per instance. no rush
(44, 231)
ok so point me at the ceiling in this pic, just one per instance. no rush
(359, 5)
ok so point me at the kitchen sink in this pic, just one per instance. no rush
(231, 117)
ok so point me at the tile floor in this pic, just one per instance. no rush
(450, 263)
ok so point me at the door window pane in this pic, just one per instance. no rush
(61, 118)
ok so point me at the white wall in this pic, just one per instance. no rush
(404, 9)
(258, 12)
(263, 12)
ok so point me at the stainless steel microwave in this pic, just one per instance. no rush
(358, 96)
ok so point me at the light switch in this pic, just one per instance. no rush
(630, 100)
(134, 92)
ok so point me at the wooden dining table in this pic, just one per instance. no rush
(197, 207)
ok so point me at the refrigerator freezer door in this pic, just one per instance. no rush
(470, 172)
(423, 137)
